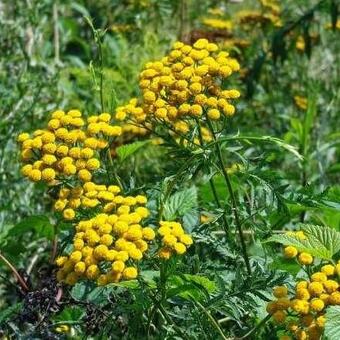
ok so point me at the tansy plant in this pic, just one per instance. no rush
(186, 101)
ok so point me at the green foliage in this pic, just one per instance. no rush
(128, 150)
(180, 203)
(332, 327)
(322, 242)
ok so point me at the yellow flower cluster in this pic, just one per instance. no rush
(183, 87)
(218, 24)
(291, 252)
(67, 147)
(107, 246)
(92, 195)
(174, 239)
(301, 102)
(303, 314)
(262, 17)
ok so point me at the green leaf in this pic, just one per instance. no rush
(180, 203)
(332, 326)
(80, 290)
(8, 312)
(72, 313)
(127, 150)
(321, 241)
(268, 139)
(190, 287)
(39, 223)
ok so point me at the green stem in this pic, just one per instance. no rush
(112, 168)
(101, 72)
(212, 320)
(256, 328)
(212, 186)
(232, 197)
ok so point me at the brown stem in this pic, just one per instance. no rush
(15, 273)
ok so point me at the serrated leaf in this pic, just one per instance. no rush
(127, 150)
(80, 290)
(322, 242)
(332, 326)
(180, 203)
(39, 223)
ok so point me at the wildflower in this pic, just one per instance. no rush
(290, 252)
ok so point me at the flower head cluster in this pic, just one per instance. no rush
(303, 312)
(259, 17)
(184, 86)
(68, 147)
(92, 195)
(217, 24)
(292, 252)
(107, 246)
(174, 239)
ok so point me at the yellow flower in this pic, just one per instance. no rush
(48, 174)
(302, 294)
(79, 267)
(334, 298)
(92, 272)
(315, 288)
(305, 258)
(328, 269)
(319, 277)
(317, 305)
(290, 252)
(279, 316)
(62, 329)
(180, 248)
(330, 286)
(280, 291)
(84, 175)
(214, 114)
(148, 234)
(130, 273)
(118, 266)
(34, 175)
(165, 253)
(69, 214)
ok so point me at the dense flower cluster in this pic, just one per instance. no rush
(303, 312)
(218, 24)
(106, 247)
(183, 87)
(174, 239)
(68, 147)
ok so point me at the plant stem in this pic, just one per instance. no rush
(15, 273)
(256, 328)
(56, 33)
(232, 197)
(101, 72)
(213, 321)
(212, 186)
